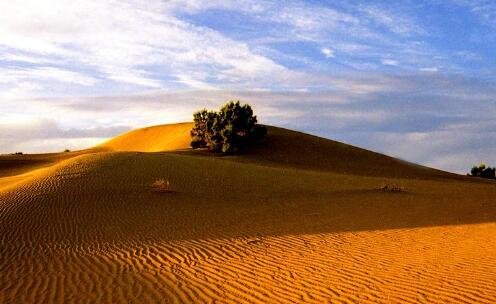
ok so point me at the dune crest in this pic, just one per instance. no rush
(283, 147)
(152, 139)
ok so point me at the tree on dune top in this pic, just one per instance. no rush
(230, 130)
(483, 171)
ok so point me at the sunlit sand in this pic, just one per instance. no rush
(297, 219)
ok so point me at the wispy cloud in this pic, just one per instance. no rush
(14, 75)
(390, 62)
(429, 69)
(123, 41)
(45, 135)
(328, 53)
(395, 21)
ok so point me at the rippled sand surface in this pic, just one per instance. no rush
(300, 219)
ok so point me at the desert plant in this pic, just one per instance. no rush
(67, 151)
(161, 186)
(483, 171)
(392, 188)
(230, 130)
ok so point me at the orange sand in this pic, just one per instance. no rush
(299, 219)
(152, 139)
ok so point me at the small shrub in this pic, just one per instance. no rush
(17, 153)
(483, 171)
(67, 151)
(161, 186)
(392, 188)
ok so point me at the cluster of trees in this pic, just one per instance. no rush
(230, 130)
(483, 171)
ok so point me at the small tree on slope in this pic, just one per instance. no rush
(230, 130)
(203, 120)
(483, 171)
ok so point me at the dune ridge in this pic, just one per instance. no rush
(283, 147)
(258, 228)
(152, 139)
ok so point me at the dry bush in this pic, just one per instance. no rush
(392, 188)
(162, 186)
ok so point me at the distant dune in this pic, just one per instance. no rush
(297, 219)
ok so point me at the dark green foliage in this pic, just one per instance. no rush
(230, 130)
(483, 171)
(203, 121)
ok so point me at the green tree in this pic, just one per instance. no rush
(230, 130)
(203, 120)
(483, 171)
(238, 122)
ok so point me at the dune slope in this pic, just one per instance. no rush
(283, 148)
(152, 139)
(300, 150)
(254, 229)
(15, 169)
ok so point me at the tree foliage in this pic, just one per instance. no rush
(203, 121)
(483, 171)
(230, 130)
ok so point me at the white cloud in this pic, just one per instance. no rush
(429, 69)
(454, 149)
(484, 9)
(328, 53)
(194, 83)
(14, 75)
(135, 45)
(310, 18)
(390, 62)
(9, 57)
(120, 41)
(396, 22)
(45, 135)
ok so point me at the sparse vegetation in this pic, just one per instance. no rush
(392, 188)
(17, 153)
(483, 171)
(67, 151)
(161, 186)
(231, 130)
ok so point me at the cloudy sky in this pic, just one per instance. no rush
(412, 79)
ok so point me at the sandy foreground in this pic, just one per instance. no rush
(300, 219)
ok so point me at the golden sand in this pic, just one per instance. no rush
(299, 219)
(152, 139)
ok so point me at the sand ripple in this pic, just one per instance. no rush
(89, 230)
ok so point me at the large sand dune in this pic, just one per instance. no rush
(298, 219)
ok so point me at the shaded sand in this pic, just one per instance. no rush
(14, 169)
(254, 229)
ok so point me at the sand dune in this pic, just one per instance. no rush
(152, 139)
(284, 148)
(299, 219)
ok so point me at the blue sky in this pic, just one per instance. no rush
(413, 79)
